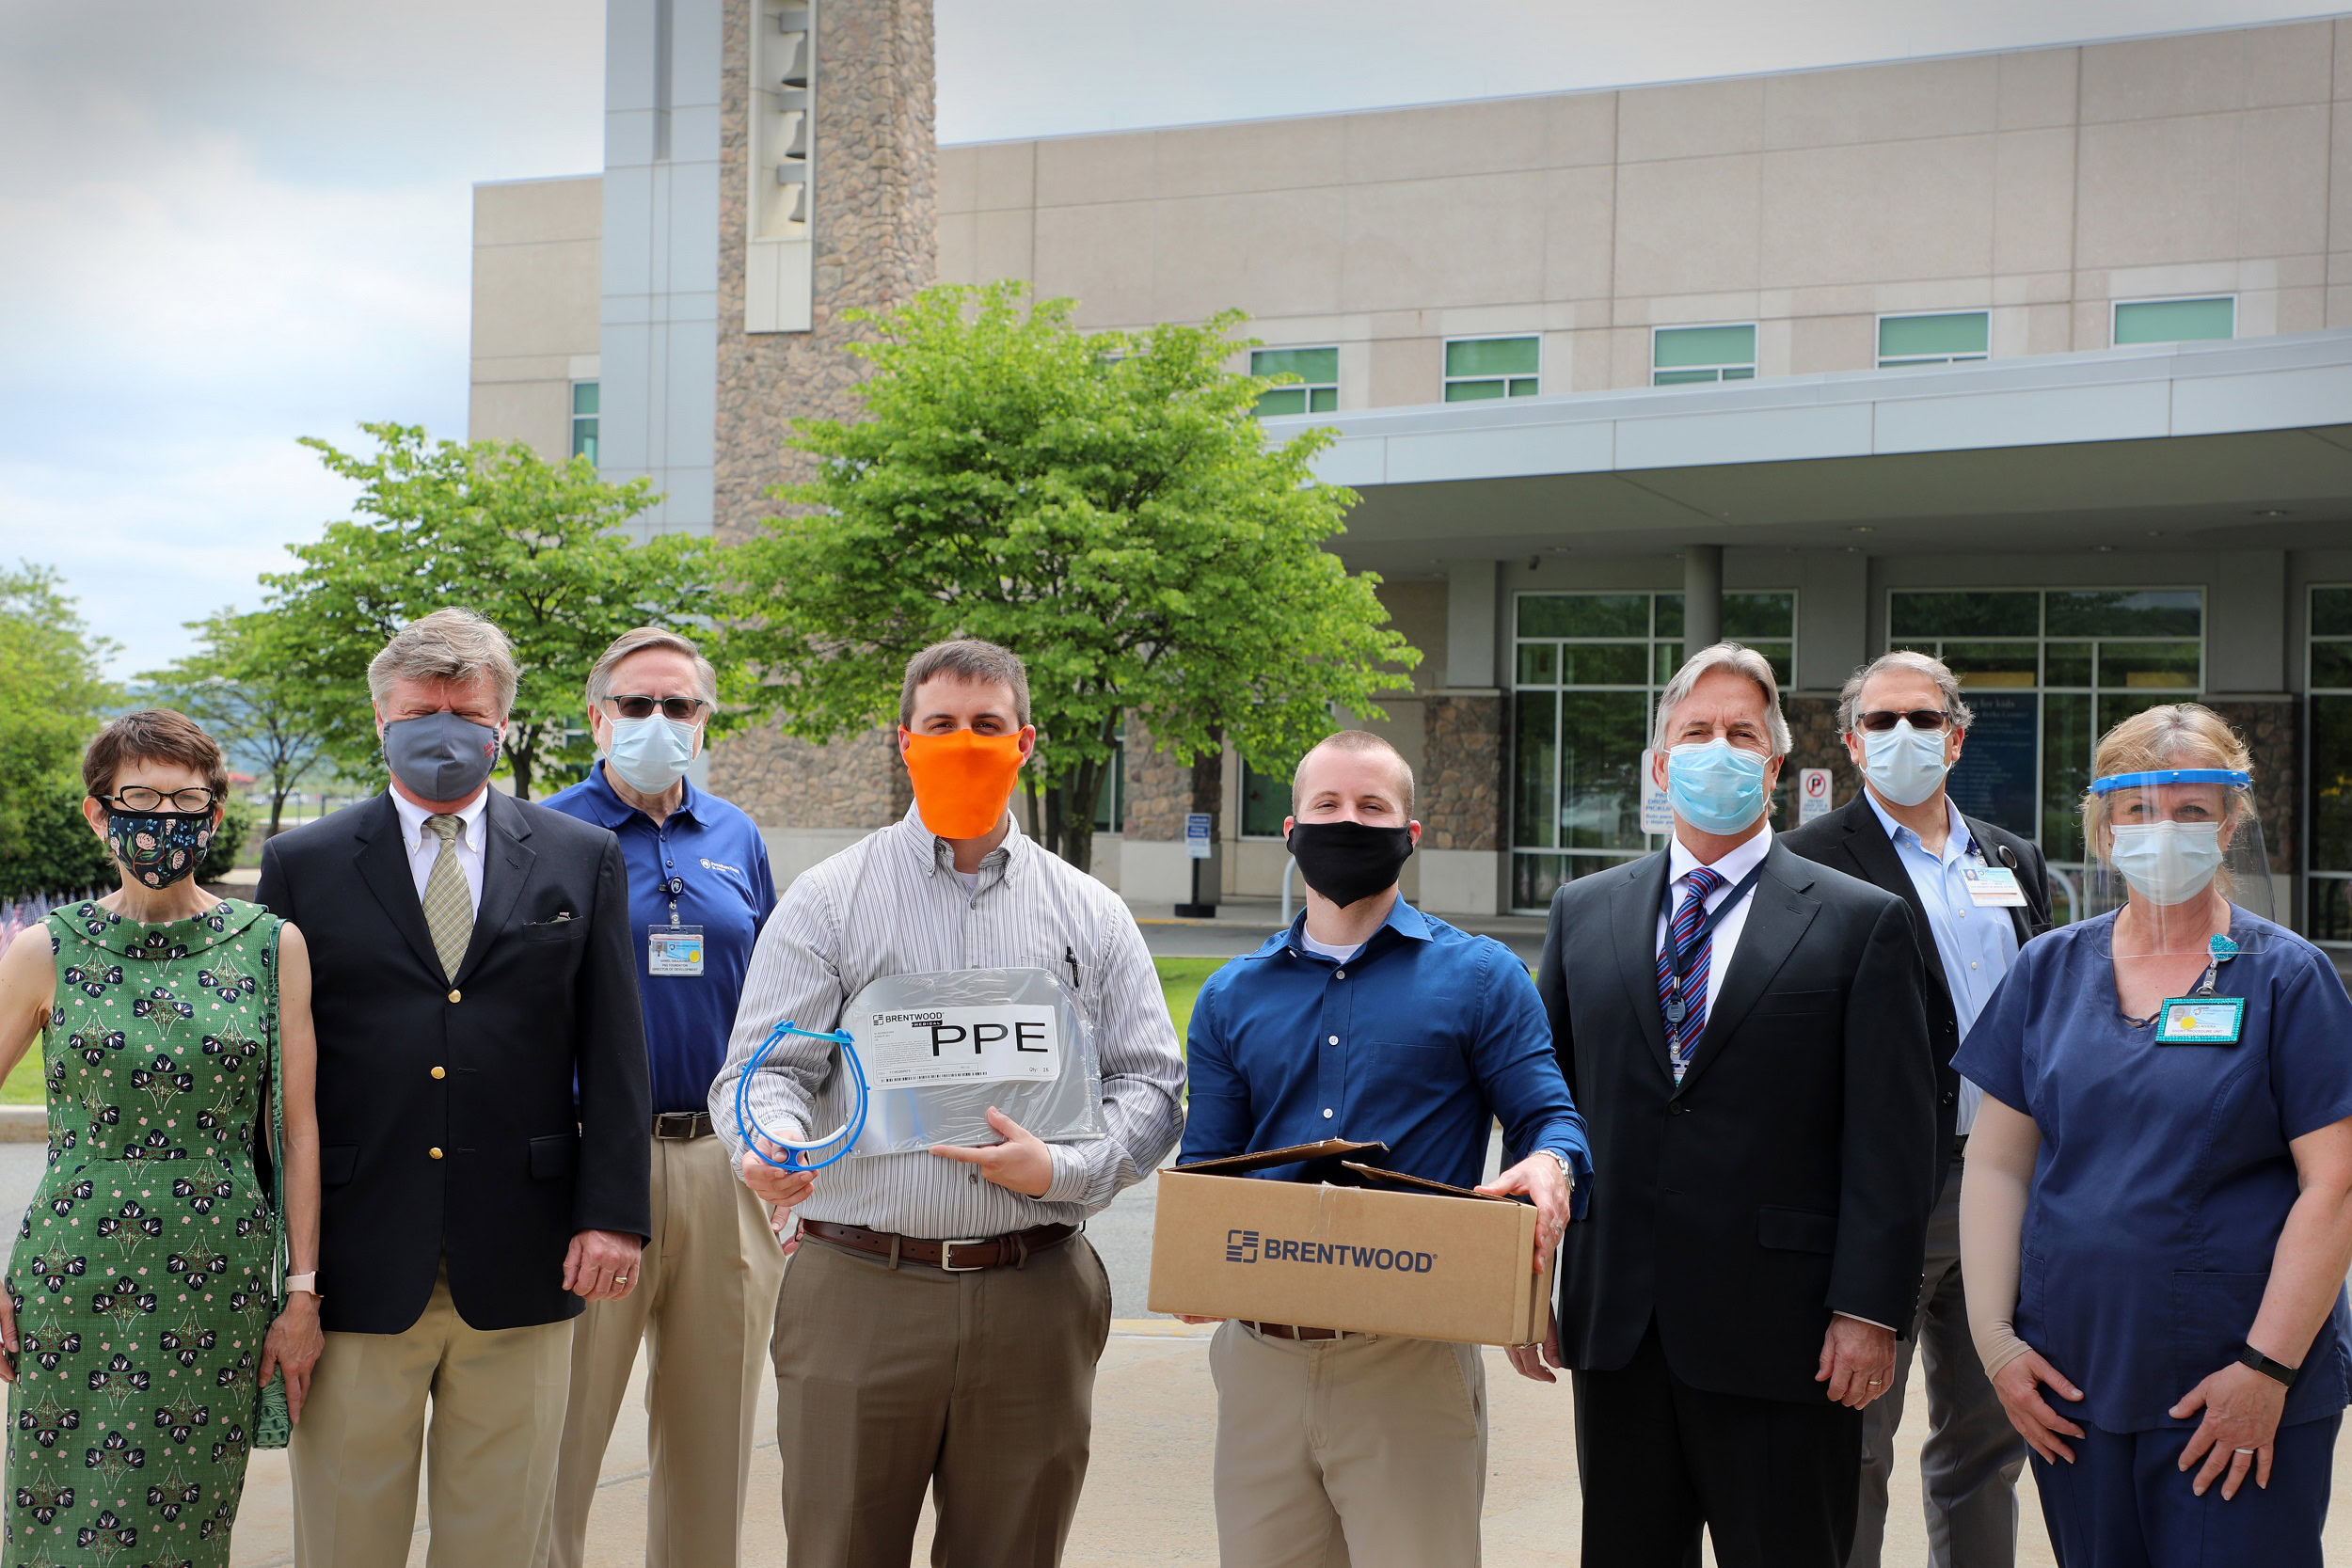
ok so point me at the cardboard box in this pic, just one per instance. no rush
(1363, 1250)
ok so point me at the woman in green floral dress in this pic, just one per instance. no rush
(137, 1314)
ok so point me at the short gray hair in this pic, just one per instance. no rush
(637, 642)
(1740, 661)
(452, 644)
(1947, 685)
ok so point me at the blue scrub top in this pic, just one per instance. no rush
(2163, 1178)
(711, 847)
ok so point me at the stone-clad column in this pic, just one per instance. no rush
(876, 239)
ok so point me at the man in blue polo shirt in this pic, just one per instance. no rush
(698, 891)
(1370, 1021)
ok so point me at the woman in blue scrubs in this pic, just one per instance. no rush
(2156, 1216)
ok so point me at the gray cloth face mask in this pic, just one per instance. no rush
(440, 756)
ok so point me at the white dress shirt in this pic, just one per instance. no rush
(894, 904)
(424, 845)
(1735, 864)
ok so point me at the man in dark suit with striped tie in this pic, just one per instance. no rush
(1744, 1032)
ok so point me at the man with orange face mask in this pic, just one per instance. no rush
(940, 1323)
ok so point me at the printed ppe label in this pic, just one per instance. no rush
(2201, 1020)
(673, 950)
(1011, 1042)
(1994, 887)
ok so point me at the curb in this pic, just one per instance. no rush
(23, 1124)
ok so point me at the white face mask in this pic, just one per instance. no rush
(2167, 863)
(1904, 764)
(650, 754)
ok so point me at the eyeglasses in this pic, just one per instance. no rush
(681, 709)
(138, 798)
(1885, 719)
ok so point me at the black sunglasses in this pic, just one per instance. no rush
(1887, 719)
(682, 710)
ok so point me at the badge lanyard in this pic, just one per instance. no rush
(2203, 1018)
(1684, 961)
(673, 949)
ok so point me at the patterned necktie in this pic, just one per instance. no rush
(1685, 1006)
(448, 903)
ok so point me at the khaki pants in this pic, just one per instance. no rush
(704, 1301)
(498, 1412)
(979, 1386)
(1362, 1452)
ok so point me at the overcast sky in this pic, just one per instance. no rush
(224, 226)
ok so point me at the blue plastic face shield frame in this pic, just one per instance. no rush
(798, 1156)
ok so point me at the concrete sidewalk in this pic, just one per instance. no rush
(1147, 1500)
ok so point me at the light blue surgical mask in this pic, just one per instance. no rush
(1715, 787)
(650, 754)
(1904, 764)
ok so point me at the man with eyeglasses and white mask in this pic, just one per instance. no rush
(1743, 1034)
(699, 890)
(1977, 893)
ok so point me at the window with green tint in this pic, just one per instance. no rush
(1317, 389)
(1266, 799)
(2175, 321)
(2046, 673)
(1110, 807)
(2328, 914)
(1589, 668)
(1940, 340)
(1481, 367)
(1681, 355)
(584, 400)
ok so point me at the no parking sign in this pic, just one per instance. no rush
(1812, 794)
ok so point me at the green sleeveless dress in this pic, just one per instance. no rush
(141, 1277)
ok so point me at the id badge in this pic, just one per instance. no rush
(2201, 1020)
(673, 950)
(1994, 887)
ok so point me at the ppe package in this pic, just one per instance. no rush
(939, 1050)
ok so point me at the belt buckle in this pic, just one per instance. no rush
(674, 1125)
(948, 1250)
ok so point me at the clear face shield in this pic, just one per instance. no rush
(2179, 861)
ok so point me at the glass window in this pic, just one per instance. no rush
(2330, 916)
(1589, 668)
(1266, 799)
(2046, 673)
(1317, 388)
(1110, 807)
(1942, 339)
(585, 419)
(1481, 367)
(1679, 355)
(2175, 321)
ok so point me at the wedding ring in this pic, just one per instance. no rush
(1872, 1383)
(2241, 1451)
(619, 1279)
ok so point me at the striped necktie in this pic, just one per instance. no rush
(1685, 1006)
(448, 902)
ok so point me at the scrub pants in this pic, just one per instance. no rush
(2123, 1503)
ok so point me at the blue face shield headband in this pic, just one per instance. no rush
(2229, 776)
(800, 1156)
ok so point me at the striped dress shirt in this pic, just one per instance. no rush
(892, 904)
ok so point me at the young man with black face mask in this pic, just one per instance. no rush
(1370, 1021)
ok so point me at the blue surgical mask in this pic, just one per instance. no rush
(650, 754)
(1715, 787)
(1904, 764)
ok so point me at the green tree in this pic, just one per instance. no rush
(1103, 503)
(54, 694)
(245, 685)
(489, 525)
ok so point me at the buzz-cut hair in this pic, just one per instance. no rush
(966, 658)
(1358, 742)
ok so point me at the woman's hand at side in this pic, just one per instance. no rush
(2242, 1409)
(2019, 1385)
(293, 1346)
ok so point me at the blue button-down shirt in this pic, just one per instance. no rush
(1977, 945)
(1417, 1041)
(714, 853)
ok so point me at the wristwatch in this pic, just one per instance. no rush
(2279, 1370)
(1567, 1171)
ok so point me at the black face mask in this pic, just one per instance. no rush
(1349, 860)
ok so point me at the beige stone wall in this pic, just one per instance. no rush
(2039, 185)
(874, 237)
(537, 270)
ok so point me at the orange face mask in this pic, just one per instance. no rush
(962, 779)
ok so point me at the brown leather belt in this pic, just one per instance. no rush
(682, 1125)
(1292, 1331)
(958, 1256)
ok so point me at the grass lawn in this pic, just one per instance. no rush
(1179, 980)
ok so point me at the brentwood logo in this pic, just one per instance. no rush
(1248, 1246)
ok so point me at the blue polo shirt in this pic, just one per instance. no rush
(715, 852)
(1417, 1040)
